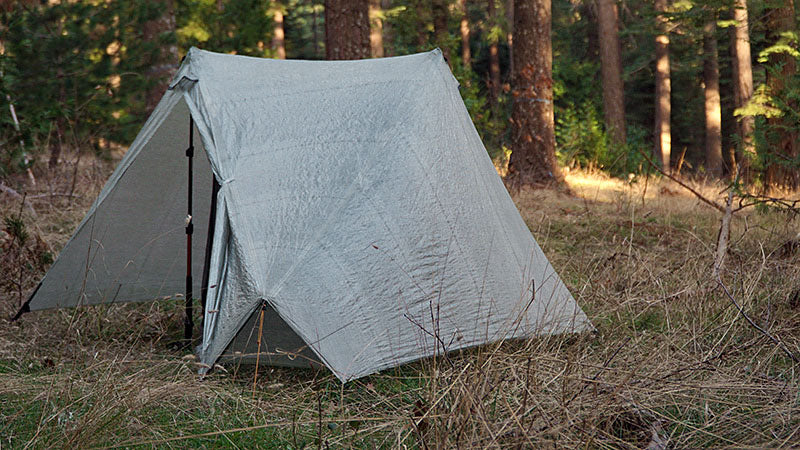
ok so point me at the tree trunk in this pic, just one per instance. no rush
(781, 171)
(713, 108)
(376, 28)
(494, 56)
(743, 85)
(510, 34)
(533, 157)
(662, 137)
(347, 29)
(278, 43)
(589, 10)
(440, 34)
(166, 61)
(611, 68)
(466, 54)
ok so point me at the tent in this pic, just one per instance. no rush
(348, 209)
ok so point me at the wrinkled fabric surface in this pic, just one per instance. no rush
(356, 198)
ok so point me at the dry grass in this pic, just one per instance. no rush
(672, 364)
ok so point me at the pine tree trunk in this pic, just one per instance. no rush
(662, 137)
(713, 108)
(278, 42)
(743, 85)
(780, 172)
(466, 53)
(590, 11)
(347, 29)
(494, 57)
(611, 68)
(510, 34)
(376, 28)
(166, 62)
(533, 158)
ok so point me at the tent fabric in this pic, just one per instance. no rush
(131, 245)
(356, 199)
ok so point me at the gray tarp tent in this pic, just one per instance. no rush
(355, 203)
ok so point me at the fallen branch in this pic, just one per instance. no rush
(10, 191)
(54, 194)
(766, 333)
(784, 204)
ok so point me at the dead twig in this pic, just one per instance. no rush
(700, 196)
(12, 192)
(724, 232)
(754, 325)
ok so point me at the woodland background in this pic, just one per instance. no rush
(706, 87)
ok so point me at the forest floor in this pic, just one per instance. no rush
(673, 363)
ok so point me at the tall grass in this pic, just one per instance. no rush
(671, 365)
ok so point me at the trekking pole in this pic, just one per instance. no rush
(188, 323)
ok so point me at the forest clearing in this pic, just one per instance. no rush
(469, 224)
(673, 362)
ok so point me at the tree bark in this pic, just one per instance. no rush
(376, 28)
(278, 41)
(347, 29)
(662, 137)
(533, 158)
(611, 68)
(781, 173)
(743, 85)
(466, 53)
(494, 56)
(510, 34)
(712, 100)
(166, 62)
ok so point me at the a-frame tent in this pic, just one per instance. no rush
(352, 201)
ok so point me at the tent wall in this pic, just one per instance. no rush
(361, 204)
(132, 245)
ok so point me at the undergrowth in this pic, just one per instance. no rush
(672, 363)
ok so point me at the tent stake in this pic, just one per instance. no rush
(188, 324)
